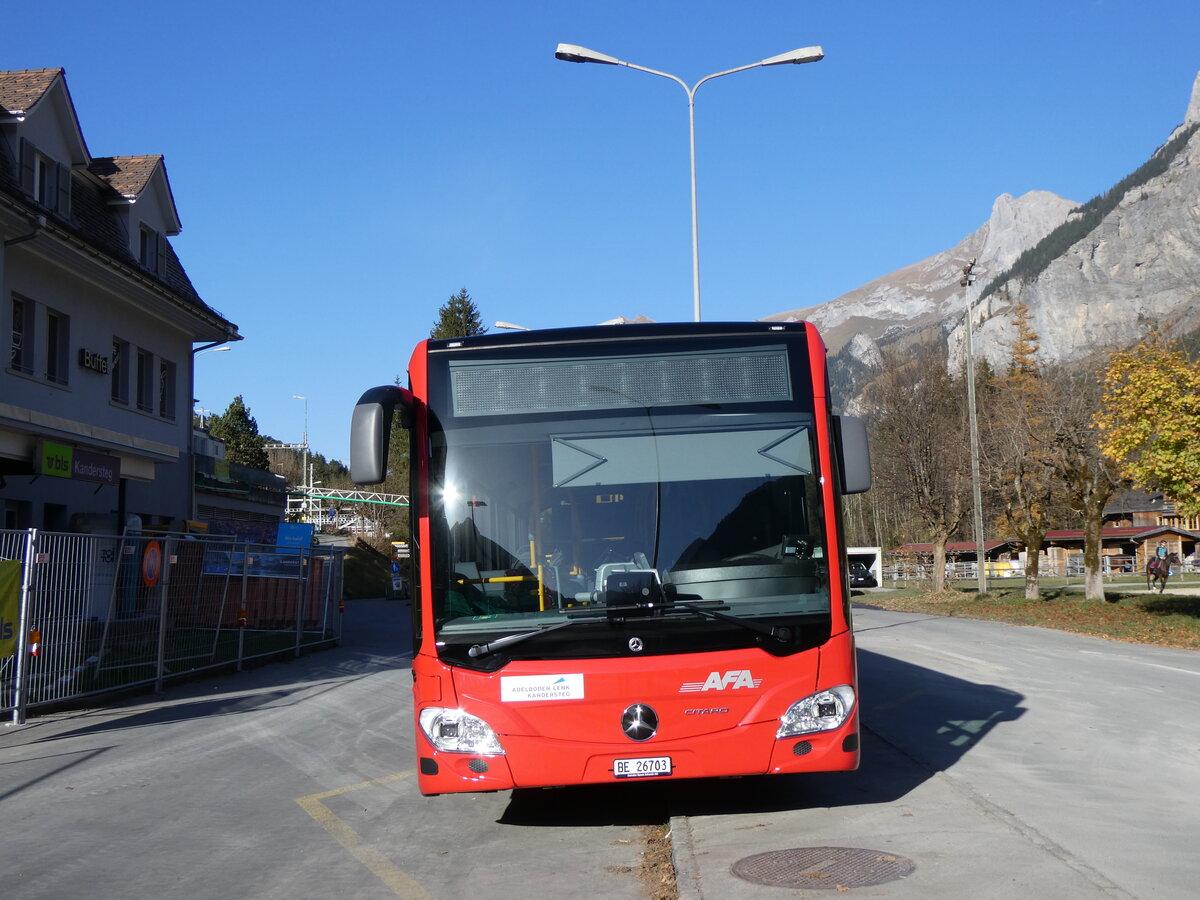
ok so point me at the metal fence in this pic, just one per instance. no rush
(83, 614)
(1112, 567)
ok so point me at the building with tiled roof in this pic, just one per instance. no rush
(1062, 549)
(22, 90)
(1136, 507)
(101, 321)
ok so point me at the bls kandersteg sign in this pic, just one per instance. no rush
(62, 461)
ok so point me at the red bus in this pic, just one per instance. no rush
(628, 554)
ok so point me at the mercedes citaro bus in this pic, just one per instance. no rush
(628, 554)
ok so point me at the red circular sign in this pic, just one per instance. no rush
(151, 563)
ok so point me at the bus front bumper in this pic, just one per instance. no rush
(532, 761)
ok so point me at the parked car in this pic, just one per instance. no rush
(860, 576)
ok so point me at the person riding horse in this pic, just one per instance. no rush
(1160, 564)
(1159, 567)
(1159, 559)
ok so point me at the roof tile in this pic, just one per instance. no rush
(127, 175)
(21, 90)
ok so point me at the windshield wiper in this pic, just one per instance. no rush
(780, 633)
(508, 640)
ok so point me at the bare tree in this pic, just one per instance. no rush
(1090, 478)
(920, 448)
(289, 464)
(1019, 466)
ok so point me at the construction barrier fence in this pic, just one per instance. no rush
(83, 614)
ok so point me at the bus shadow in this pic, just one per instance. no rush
(932, 717)
(589, 805)
(915, 723)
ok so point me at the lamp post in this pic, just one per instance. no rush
(217, 347)
(967, 281)
(200, 351)
(577, 54)
(304, 465)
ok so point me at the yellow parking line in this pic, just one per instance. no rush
(400, 883)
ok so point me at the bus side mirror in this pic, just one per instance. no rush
(854, 454)
(371, 431)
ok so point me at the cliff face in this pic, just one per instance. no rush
(1193, 113)
(928, 293)
(1136, 265)
(1139, 267)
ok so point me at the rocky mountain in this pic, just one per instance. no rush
(1092, 276)
(928, 293)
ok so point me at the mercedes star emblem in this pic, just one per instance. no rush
(639, 722)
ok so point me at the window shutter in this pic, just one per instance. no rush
(28, 156)
(160, 258)
(64, 191)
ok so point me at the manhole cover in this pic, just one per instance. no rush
(823, 868)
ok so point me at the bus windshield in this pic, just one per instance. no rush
(688, 527)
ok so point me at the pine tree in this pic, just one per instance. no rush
(1025, 345)
(458, 317)
(1019, 463)
(238, 429)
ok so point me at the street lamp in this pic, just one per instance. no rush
(304, 470)
(199, 351)
(196, 351)
(968, 281)
(577, 54)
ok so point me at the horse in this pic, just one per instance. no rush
(1159, 570)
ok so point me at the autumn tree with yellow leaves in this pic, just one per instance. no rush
(1150, 420)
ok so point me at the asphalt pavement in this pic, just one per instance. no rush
(998, 762)
(288, 781)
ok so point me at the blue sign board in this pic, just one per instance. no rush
(295, 534)
(257, 564)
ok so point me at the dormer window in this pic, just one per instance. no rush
(148, 248)
(47, 182)
(45, 190)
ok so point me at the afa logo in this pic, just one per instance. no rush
(732, 680)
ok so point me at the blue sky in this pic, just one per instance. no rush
(342, 169)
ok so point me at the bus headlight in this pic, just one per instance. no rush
(455, 731)
(822, 711)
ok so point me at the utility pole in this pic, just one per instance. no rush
(967, 281)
